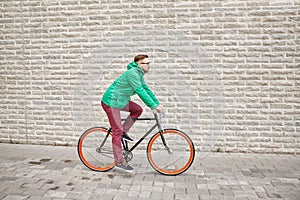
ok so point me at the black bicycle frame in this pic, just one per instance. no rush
(125, 144)
(140, 140)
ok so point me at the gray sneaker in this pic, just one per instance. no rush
(124, 167)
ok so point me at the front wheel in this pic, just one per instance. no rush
(170, 152)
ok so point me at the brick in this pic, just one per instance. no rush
(238, 55)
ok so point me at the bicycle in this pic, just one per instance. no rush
(169, 151)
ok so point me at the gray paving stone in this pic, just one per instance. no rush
(57, 173)
(15, 197)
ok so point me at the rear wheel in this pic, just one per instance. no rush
(175, 156)
(95, 149)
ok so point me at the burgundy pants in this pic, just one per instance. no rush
(114, 118)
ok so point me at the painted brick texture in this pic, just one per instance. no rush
(226, 72)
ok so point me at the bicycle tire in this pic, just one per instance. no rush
(175, 163)
(88, 149)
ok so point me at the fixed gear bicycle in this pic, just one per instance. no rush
(169, 151)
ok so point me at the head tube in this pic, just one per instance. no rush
(156, 116)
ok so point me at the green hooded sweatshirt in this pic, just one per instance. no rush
(131, 82)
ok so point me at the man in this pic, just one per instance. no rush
(117, 98)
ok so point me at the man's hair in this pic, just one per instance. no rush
(140, 57)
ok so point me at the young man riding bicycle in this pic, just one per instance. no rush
(117, 98)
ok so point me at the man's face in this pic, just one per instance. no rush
(144, 64)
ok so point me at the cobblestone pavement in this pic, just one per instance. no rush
(46, 172)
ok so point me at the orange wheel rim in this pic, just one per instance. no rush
(182, 169)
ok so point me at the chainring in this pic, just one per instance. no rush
(127, 155)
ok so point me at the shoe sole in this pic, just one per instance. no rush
(123, 170)
(127, 140)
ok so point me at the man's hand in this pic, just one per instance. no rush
(159, 109)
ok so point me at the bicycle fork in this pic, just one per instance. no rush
(164, 143)
(161, 134)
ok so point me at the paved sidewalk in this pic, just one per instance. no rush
(45, 172)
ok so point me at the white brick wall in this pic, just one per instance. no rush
(227, 72)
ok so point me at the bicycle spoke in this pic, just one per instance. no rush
(168, 149)
(108, 154)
